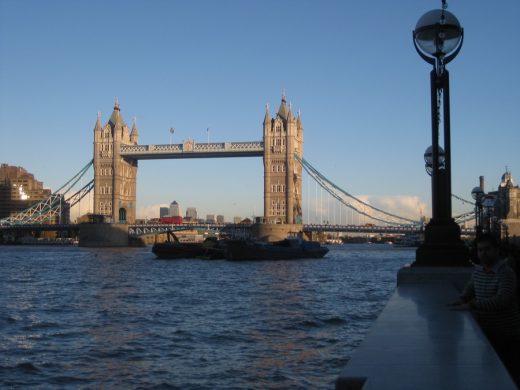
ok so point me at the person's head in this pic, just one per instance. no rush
(488, 249)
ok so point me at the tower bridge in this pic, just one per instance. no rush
(117, 152)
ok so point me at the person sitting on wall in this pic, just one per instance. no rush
(491, 296)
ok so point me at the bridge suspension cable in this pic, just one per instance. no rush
(77, 196)
(337, 193)
(75, 178)
(465, 217)
(463, 200)
(358, 204)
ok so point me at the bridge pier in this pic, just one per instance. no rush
(104, 235)
(275, 232)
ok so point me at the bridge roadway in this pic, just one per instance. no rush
(191, 149)
(404, 229)
(140, 230)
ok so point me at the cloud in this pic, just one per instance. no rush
(151, 211)
(406, 206)
(410, 207)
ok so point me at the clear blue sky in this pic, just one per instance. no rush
(350, 66)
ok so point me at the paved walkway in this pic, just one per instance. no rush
(418, 343)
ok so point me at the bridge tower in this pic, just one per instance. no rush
(283, 138)
(114, 176)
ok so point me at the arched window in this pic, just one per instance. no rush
(122, 215)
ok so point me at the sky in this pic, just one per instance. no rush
(349, 66)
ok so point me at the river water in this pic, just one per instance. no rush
(119, 318)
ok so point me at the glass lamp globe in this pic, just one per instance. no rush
(477, 193)
(436, 36)
(428, 157)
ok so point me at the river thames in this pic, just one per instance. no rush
(119, 318)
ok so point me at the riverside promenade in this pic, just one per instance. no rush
(417, 342)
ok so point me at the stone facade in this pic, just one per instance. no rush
(19, 190)
(114, 176)
(283, 138)
(507, 203)
(275, 232)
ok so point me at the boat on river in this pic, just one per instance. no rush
(409, 241)
(174, 249)
(290, 248)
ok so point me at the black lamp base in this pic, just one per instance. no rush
(442, 246)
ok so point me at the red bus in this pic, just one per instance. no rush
(171, 220)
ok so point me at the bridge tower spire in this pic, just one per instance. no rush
(283, 138)
(114, 175)
(134, 134)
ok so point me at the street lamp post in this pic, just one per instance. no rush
(438, 39)
(478, 194)
(172, 130)
(488, 204)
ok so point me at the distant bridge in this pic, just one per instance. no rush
(141, 230)
(372, 229)
(150, 229)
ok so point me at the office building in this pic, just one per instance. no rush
(191, 213)
(163, 212)
(175, 209)
(19, 190)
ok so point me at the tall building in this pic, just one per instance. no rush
(191, 212)
(237, 219)
(19, 190)
(114, 176)
(283, 138)
(163, 212)
(220, 219)
(175, 209)
(210, 218)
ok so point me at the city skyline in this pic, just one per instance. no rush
(351, 69)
